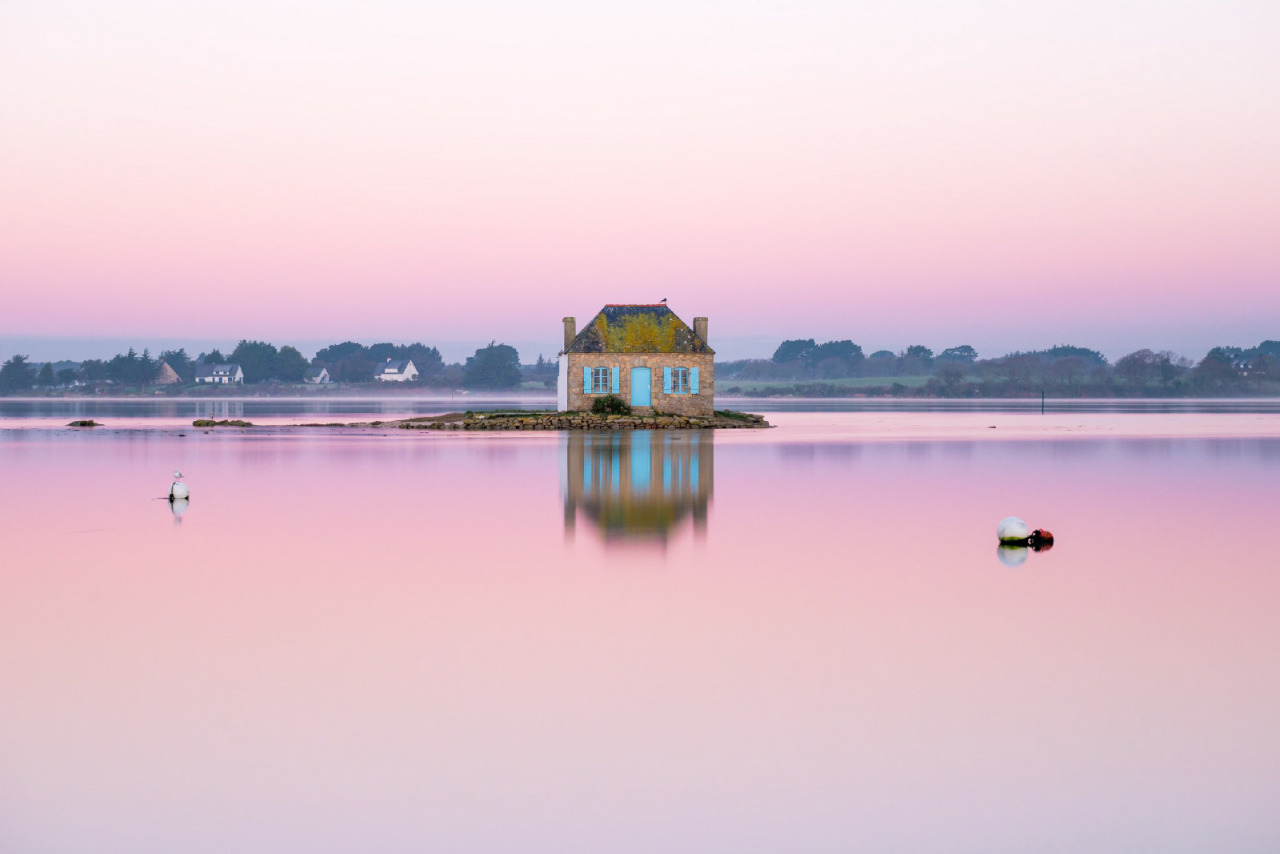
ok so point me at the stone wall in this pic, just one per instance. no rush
(702, 403)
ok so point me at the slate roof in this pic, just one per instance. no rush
(314, 372)
(394, 366)
(206, 371)
(637, 329)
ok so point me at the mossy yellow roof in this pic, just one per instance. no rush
(637, 329)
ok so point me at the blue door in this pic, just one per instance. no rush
(640, 387)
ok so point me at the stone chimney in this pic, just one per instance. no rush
(570, 331)
(700, 328)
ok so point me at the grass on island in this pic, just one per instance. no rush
(734, 415)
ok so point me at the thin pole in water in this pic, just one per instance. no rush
(1042, 401)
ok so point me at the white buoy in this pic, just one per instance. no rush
(1012, 529)
(178, 489)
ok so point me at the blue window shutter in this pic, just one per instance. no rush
(666, 381)
(693, 381)
(613, 380)
(586, 381)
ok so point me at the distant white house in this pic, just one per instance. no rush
(316, 376)
(1244, 365)
(219, 374)
(394, 371)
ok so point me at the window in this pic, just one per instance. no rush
(679, 380)
(599, 380)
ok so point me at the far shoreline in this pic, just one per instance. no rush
(474, 400)
(750, 397)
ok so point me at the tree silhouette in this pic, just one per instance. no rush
(495, 366)
(290, 365)
(17, 375)
(257, 359)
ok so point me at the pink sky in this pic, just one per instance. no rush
(916, 173)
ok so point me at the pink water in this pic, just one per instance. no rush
(792, 640)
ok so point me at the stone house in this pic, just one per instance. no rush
(644, 354)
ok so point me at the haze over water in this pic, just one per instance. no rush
(785, 640)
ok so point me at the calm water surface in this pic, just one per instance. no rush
(801, 639)
(320, 407)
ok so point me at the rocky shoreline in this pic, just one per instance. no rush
(722, 420)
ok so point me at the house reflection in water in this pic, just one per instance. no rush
(637, 486)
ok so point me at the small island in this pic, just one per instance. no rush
(723, 419)
(536, 419)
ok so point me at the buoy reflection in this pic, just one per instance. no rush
(637, 486)
(178, 506)
(1015, 554)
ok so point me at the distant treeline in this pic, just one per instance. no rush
(799, 367)
(495, 366)
(816, 370)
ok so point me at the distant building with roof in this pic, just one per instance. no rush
(644, 354)
(316, 375)
(396, 371)
(166, 375)
(219, 374)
